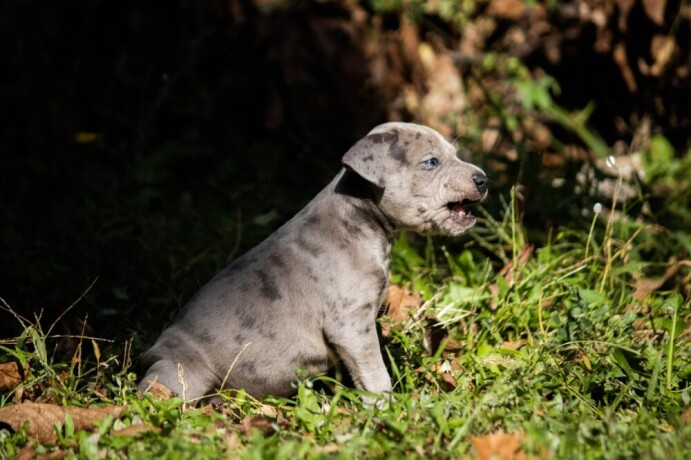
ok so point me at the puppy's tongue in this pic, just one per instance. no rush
(459, 209)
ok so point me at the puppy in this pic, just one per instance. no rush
(312, 289)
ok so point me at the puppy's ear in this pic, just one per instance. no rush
(369, 157)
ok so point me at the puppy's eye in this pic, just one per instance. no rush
(431, 162)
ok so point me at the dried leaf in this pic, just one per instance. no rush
(626, 73)
(42, 418)
(233, 441)
(513, 345)
(268, 411)
(686, 415)
(451, 345)
(11, 375)
(26, 453)
(58, 454)
(328, 448)
(160, 391)
(499, 446)
(662, 47)
(645, 286)
(523, 257)
(625, 7)
(449, 378)
(445, 95)
(136, 430)
(399, 302)
(490, 138)
(262, 424)
(507, 9)
(655, 9)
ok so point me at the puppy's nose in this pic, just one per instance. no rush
(481, 182)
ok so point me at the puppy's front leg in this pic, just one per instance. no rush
(358, 348)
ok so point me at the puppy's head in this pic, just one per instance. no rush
(424, 186)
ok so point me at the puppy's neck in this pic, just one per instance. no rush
(365, 197)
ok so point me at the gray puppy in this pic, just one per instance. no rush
(314, 286)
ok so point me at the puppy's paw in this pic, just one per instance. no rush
(379, 400)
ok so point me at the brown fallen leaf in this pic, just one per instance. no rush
(499, 446)
(445, 93)
(29, 453)
(449, 379)
(655, 10)
(11, 375)
(26, 453)
(136, 430)
(399, 302)
(160, 391)
(42, 418)
(232, 442)
(260, 423)
(57, 454)
(686, 415)
(622, 60)
(451, 345)
(515, 345)
(645, 286)
(328, 448)
(510, 10)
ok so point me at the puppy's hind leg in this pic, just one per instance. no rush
(176, 377)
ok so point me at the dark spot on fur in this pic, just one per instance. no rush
(347, 303)
(309, 363)
(359, 221)
(277, 261)
(271, 335)
(366, 330)
(352, 228)
(366, 307)
(368, 158)
(268, 285)
(398, 151)
(248, 321)
(207, 337)
(307, 246)
(312, 220)
(239, 338)
(382, 138)
(248, 367)
(417, 135)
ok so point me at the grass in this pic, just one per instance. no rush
(552, 344)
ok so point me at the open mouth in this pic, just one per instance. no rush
(460, 211)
